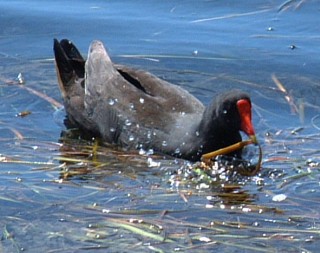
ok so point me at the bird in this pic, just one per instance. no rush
(134, 109)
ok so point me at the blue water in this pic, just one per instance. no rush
(168, 27)
(204, 46)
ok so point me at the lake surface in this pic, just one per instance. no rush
(62, 194)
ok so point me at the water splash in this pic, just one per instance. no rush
(177, 151)
(152, 163)
(131, 106)
(127, 122)
(112, 101)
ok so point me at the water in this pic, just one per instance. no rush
(64, 195)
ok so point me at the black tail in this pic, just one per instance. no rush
(68, 60)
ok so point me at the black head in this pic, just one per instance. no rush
(223, 120)
(227, 112)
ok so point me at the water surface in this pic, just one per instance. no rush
(66, 195)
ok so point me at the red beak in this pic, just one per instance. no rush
(244, 108)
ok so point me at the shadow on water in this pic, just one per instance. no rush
(62, 194)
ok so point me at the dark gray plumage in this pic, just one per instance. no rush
(135, 109)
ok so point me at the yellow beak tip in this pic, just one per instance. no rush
(254, 139)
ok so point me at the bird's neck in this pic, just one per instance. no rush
(215, 133)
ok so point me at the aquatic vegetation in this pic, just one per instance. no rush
(63, 192)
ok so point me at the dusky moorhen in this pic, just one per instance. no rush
(135, 109)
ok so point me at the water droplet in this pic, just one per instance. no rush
(164, 143)
(111, 101)
(112, 129)
(131, 138)
(224, 111)
(279, 197)
(131, 106)
(177, 151)
(152, 163)
(141, 100)
(182, 113)
(149, 134)
(127, 122)
(197, 133)
(150, 152)
(20, 79)
(142, 151)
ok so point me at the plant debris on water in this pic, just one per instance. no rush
(61, 193)
(123, 203)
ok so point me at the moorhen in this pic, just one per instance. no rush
(137, 110)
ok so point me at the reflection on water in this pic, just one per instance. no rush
(77, 196)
